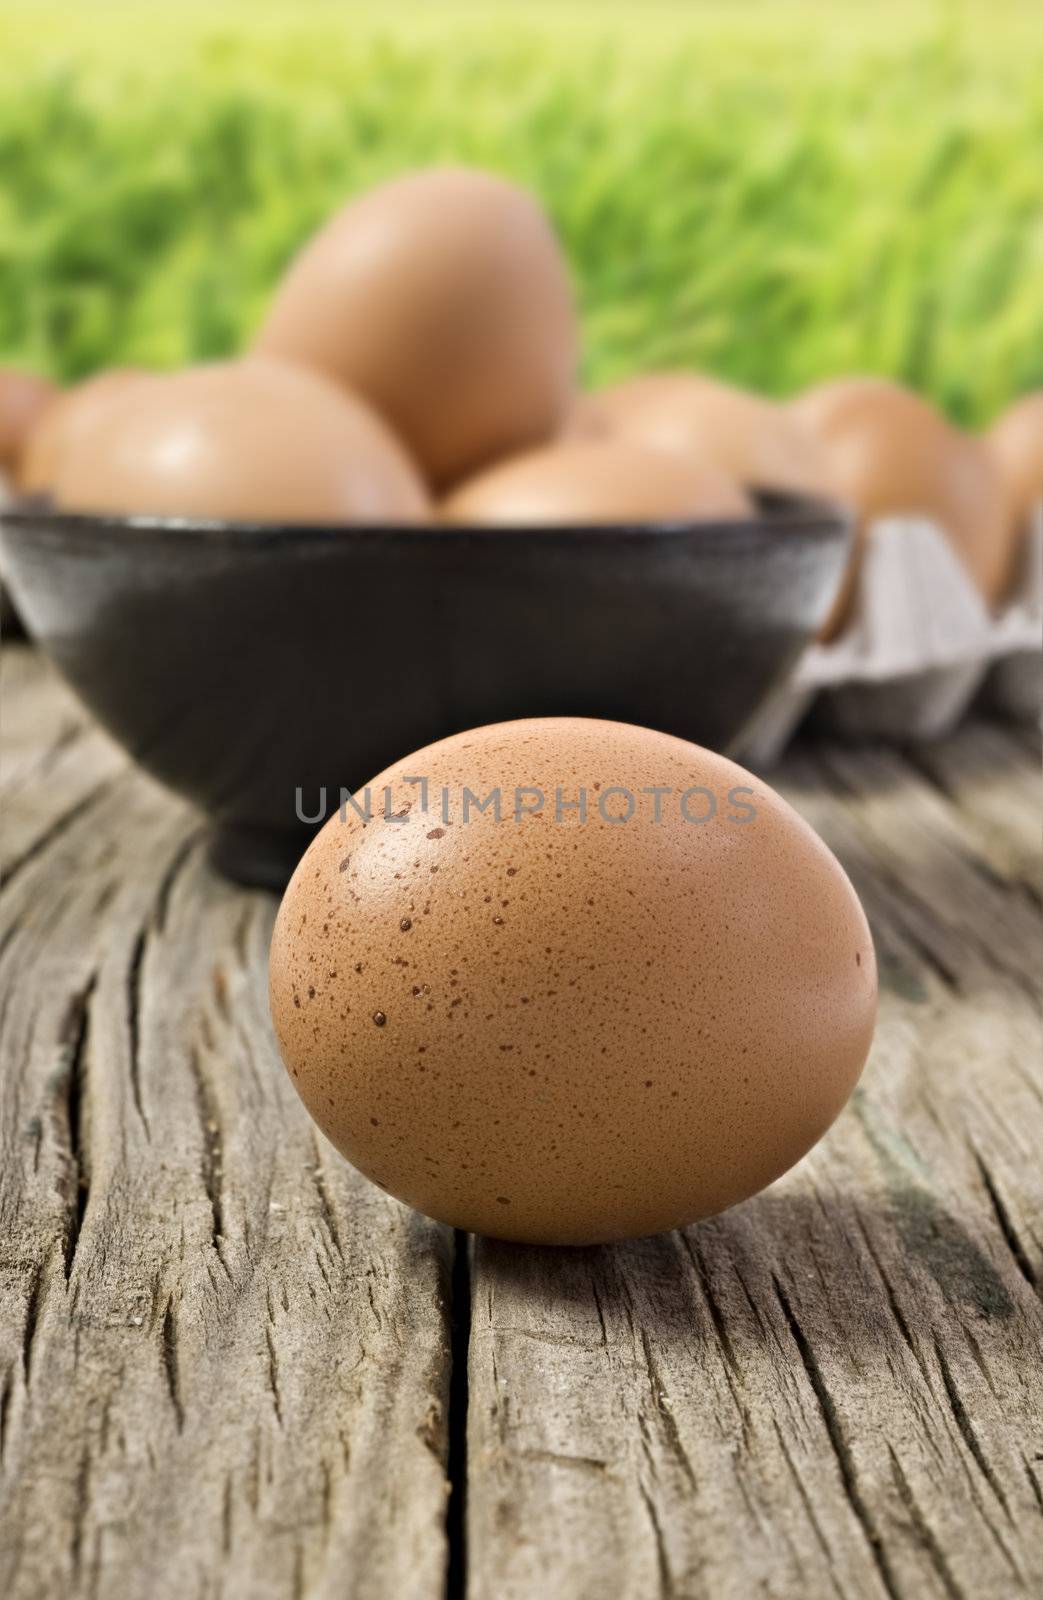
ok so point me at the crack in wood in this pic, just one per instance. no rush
(717, 1318)
(841, 1450)
(74, 1039)
(666, 1580)
(31, 1323)
(178, 861)
(134, 979)
(6, 1390)
(599, 1309)
(667, 1421)
(81, 1508)
(923, 1531)
(963, 1423)
(169, 1351)
(558, 1459)
(273, 1375)
(1006, 1226)
(240, 936)
(211, 1152)
(809, 1506)
(329, 1215)
(61, 824)
(226, 1515)
(460, 1310)
(892, 1300)
(1034, 1479)
(67, 735)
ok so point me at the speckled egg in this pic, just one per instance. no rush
(567, 981)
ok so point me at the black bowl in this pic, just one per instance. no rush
(241, 664)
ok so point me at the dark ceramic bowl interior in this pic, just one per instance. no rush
(242, 663)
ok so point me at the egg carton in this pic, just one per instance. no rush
(920, 647)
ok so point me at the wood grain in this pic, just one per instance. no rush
(227, 1363)
(223, 1355)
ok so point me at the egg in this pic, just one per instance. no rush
(892, 454)
(247, 440)
(567, 981)
(444, 299)
(24, 399)
(755, 441)
(1016, 441)
(73, 413)
(596, 481)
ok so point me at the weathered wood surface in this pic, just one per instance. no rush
(223, 1357)
(226, 1362)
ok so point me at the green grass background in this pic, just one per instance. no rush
(769, 189)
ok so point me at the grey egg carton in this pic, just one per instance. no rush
(920, 647)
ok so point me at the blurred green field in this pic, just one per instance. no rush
(770, 189)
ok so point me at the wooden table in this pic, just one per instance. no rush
(231, 1367)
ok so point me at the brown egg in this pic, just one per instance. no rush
(755, 441)
(596, 480)
(247, 440)
(73, 413)
(1016, 441)
(444, 299)
(892, 454)
(568, 1026)
(24, 398)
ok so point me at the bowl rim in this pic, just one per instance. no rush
(805, 514)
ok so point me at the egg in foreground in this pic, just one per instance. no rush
(243, 440)
(634, 997)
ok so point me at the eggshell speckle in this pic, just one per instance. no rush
(247, 440)
(596, 481)
(564, 1028)
(443, 297)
